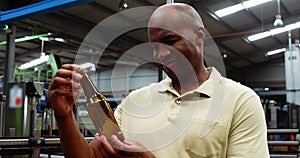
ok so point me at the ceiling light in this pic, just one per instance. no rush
(259, 36)
(123, 5)
(276, 51)
(44, 38)
(274, 32)
(238, 7)
(58, 39)
(278, 21)
(43, 58)
(229, 10)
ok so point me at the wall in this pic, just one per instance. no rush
(125, 79)
(261, 76)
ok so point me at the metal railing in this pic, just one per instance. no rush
(287, 143)
(31, 146)
(283, 156)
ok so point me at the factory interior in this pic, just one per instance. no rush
(254, 42)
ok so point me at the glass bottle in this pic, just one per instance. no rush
(99, 109)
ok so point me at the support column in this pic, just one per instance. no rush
(9, 56)
(273, 122)
(8, 68)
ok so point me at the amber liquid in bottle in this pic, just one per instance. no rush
(99, 109)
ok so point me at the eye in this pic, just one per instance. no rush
(170, 40)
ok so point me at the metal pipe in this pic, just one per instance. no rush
(290, 40)
(13, 142)
(283, 131)
(283, 156)
(288, 143)
(52, 120)
(56, 141)
(278, 7)
(36, 149)
(2, 104)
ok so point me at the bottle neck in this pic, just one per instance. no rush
(90, 90)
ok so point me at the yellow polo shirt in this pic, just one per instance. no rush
(221, 118)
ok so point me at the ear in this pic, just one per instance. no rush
(200, 35)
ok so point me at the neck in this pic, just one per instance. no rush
(190, 82)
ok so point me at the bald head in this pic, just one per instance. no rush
(176, 13)
(177, 35)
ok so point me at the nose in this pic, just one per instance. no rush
(161, 52)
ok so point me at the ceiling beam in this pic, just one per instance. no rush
(258, 65)
(47, 47)
(71, 26)
(243, 33)
(37, 9)
(82, 27)
(262, 52)
(253, 30)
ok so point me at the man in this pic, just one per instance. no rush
(199, 113)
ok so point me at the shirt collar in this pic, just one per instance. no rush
(165, 85)
(207, 88)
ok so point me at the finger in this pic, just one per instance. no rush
(128, 142)
(59, 92)
(130, 146)
(72, 67)
(98, 148)
(140, 148)
(124, 149)
(116, 143)
(106, 149)
(64, 73)
(106, 145)
(65, 83)
(64, 92)
(60, 85)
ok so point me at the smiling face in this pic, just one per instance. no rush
(178, 42)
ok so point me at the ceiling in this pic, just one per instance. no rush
(229, 32)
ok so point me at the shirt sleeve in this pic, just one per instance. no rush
(248, 132)
(118, 114)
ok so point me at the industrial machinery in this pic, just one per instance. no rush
(39, 73)
(27, 115)
(292, 73)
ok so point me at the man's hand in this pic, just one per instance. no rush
(114, 148)
(64, 89)
(130, 148)
(102, 148)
